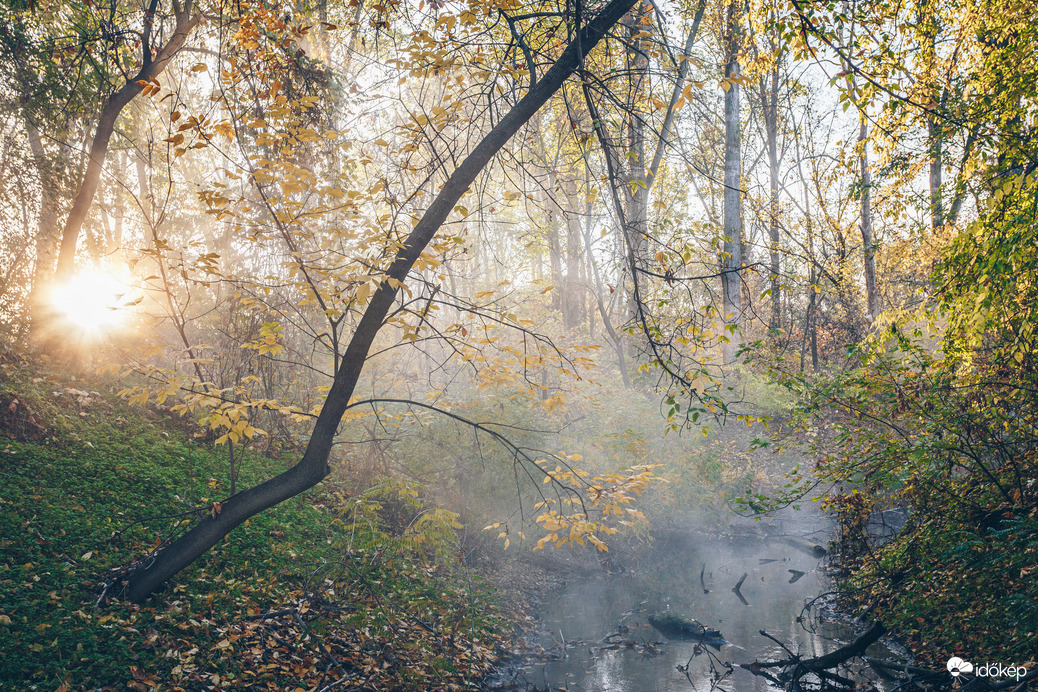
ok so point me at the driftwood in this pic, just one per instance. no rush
(845, 653)
(885, 668)
(812, 549)
(789, 672)
(794, 667)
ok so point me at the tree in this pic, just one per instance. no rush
(768, 96)
(153, 61)
(313, 467)
(78, 49)
(934, 414)
(731, 257)
(865, 195)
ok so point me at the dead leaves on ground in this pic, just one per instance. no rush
(355, 642)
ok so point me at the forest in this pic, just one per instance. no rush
(500, 345)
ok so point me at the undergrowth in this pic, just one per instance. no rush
(313, 591)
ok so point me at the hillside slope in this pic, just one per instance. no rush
(88, 485)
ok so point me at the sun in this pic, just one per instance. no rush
(91, 302)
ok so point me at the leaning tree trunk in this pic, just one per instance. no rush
(313, 467)
(731, 263)
(151, 67)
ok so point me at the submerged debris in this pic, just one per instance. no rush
(674, 626)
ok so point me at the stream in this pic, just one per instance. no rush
(691, 575)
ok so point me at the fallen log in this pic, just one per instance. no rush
(883, 664)
(845, 653)
(794, 667)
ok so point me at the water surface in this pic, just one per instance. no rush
(692, 575)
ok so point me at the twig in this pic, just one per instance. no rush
(272, 614)
(320, 643)
(758, 669)
(737, 589)
(786, 648)
(335, 683)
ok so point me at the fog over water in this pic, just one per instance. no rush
(693, 574)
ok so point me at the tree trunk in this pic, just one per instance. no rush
(769, 101)
(635, 187)
(632, 211)
(731, 262)
(928, 27)
(867, 242)
(812, 293)
(865, 181)
(151, 68)
(572, 291)
(607, 324)
(47, 225)
(935, 147)
(313, 467)
(550, 204)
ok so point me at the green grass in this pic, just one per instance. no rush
(100, 488)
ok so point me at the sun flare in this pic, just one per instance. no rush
(91, 302)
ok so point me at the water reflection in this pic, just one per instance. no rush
(610, 646)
